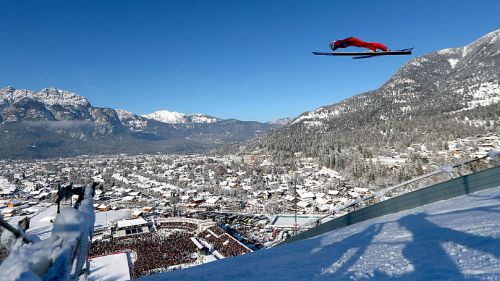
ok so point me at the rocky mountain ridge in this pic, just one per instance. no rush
(53, 122)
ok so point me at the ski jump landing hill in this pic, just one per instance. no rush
(459, 186)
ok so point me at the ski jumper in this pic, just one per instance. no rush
(355, 42)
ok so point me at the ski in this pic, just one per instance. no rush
(359, 55)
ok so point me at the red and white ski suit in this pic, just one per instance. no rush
(355, 42)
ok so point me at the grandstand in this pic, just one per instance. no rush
(187, 224)
(172, 243)
(223, 243)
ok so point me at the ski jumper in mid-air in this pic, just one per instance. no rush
(355, 42)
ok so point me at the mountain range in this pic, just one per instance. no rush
(52, 122)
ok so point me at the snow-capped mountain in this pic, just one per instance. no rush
(133, 121)
(432, 99)
(48, 96)
(54, 105)
(281, 121)
(172, 117)
(52, 122)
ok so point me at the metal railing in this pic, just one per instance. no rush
(62, 256)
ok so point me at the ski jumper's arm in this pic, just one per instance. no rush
(344, 43)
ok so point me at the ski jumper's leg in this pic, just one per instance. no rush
(380, 46)
(362, 44)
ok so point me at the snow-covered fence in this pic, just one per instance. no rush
(455, 187)
(17, 233)
(63, 256)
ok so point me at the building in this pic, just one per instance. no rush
(131, 227)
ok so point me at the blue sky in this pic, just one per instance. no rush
(249, 60)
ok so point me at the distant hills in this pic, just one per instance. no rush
(53, 122)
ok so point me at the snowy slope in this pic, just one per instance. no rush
(41, 222)
(112, 267)
(455, 239)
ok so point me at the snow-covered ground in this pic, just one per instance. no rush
(41, 221)
(456, 239)
(112, 267)
(105, 218)
(6, 187)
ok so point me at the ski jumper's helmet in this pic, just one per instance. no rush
(332, 45)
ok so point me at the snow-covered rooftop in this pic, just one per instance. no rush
(133, 222)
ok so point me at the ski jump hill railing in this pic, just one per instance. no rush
(63, 256)
(484, 179)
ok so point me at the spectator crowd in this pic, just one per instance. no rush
(152, 251)
(224, 243)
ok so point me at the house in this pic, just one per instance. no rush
(307, 196)
(134, 193)
(14, 203)
(353, 194)
(136, 213)
(103, 208)
(8, 212)
(7, 188)
(128, 198)
(250, 158)
(333, 192)
(213, 201)
(261, 194)
(304, 204)
(185, 198)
